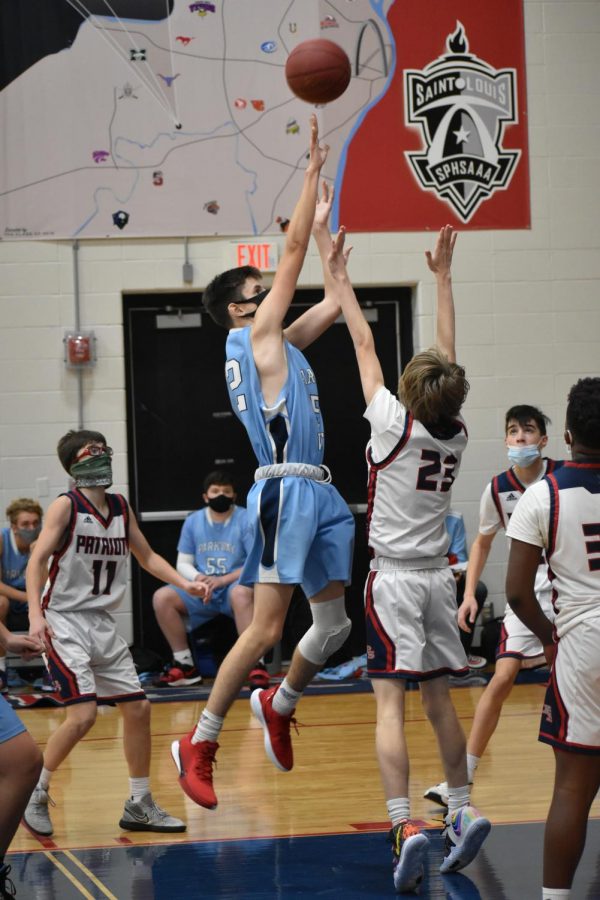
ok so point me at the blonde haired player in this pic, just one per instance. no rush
(414, 453)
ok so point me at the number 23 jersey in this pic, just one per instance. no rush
(411, 472)
(89, 571)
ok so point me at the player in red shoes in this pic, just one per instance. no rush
(303, 532)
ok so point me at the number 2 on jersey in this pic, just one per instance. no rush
(233, 374)
(436, 474)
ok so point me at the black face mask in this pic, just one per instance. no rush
(221, 503)
(258, 299)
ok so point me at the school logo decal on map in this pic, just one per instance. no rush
(462, 105)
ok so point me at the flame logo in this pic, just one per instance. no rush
(457, 42)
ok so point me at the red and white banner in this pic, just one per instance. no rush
(447, 141)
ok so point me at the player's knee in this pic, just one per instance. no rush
(84, 721)
(138, 711)
(161, 599)
(501, 684)
(321, 641)
(241, 597)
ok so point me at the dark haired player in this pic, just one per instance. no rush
(76, 577)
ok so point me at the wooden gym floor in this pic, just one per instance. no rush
(316, 831)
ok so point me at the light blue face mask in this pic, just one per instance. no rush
(524, 456)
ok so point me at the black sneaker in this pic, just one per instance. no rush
(177, 674)
(7, 888)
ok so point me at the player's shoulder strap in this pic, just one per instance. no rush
(404, 438)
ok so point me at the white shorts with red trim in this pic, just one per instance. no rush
(412, 629)
(518, 642)
(571, 713)
(89, 660)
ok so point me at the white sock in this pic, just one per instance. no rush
(472, 763)
(398, 809)
(285, 699)
(208, 727)
(138, 788)
(556, 893)
(44, 779)
(184, 657)
(457, 797)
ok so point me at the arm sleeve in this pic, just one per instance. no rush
(185, 566)
(529, 521)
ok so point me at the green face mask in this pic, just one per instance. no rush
(93, 471)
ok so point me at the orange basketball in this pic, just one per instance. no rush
(318, 71)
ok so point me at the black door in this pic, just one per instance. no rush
(180, 423)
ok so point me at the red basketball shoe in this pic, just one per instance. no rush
(195, 765)
(278, 743)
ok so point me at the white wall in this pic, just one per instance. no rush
(528, 317)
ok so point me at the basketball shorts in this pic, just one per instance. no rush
(10, 724)
(571, 714)
(198, 613)
(412, 629)
(518, 642)
(303, 533)
(89, 660)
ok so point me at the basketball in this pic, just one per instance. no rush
(318, 71)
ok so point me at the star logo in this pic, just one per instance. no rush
(461, 104)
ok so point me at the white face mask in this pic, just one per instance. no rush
(524, 456)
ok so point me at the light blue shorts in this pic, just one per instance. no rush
(10, 724)
(198, 612)
(303, 533)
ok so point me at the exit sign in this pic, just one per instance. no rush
(263, 255)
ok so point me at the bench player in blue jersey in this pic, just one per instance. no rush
(212, 549)
(561, 515)
(303, 531)
(25, 518)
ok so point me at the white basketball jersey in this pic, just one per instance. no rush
(562, 514)
(411, 472)
(90, 569)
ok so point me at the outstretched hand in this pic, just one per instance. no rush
(337, 258)
(440, 261)
(323, 207)
(318, 154)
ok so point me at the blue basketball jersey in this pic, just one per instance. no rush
(292, 429)
(217, 547)
(13, 562)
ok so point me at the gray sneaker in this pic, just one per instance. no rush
(36, 815)
(146, 815)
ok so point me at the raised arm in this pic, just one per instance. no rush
(271, 313)
(369, 366)
(317, 319)
(440, 263)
